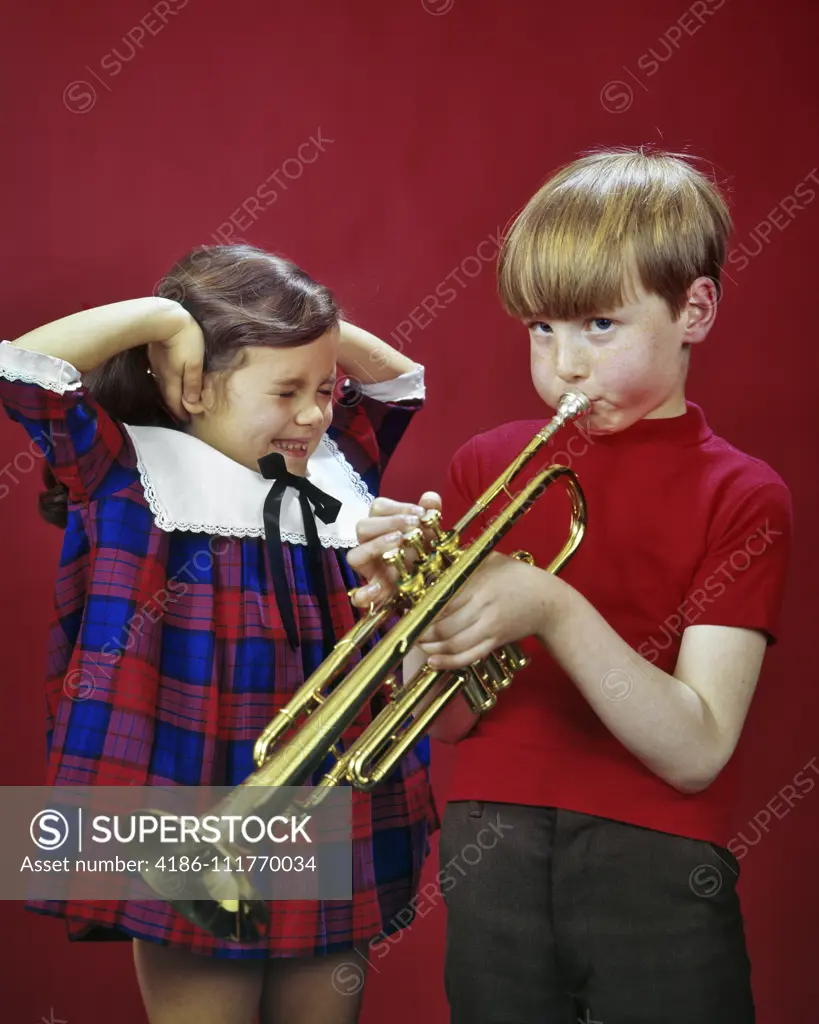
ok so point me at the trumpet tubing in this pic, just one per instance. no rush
(320, 713)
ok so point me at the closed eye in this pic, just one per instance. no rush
(292, 394)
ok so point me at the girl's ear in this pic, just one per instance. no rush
(206, 401)
(193, 408)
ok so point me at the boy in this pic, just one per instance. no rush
(603, 776)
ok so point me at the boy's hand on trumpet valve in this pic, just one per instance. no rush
(389, 521)
(504, 601)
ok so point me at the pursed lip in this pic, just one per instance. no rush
(593, 401)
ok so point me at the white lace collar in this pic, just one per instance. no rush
(191, 486)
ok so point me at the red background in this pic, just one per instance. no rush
(444, 118)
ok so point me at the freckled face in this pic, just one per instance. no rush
(281, 399)
(630, 361)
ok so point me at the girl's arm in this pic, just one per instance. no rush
(369, 359)
(90, 338)
(41, 385)
(381, 390)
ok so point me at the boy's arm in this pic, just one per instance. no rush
(683, 724)
(683, 727)
(367, 358)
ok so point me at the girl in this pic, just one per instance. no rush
(174, 643)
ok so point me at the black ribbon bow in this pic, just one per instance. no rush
(327, 508)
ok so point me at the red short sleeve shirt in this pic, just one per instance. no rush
(683, 529)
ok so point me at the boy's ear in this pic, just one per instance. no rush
(701, 309)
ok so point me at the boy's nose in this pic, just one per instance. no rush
(571, 366)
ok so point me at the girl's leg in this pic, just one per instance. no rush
(314, 990)
(183, 988)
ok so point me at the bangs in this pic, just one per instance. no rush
(605, 225)
(563, 271)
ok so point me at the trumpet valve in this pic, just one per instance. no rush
(512, 658)
(397, 560)
(478, 694)
(415, 540)
(431, 520)
(494, 672)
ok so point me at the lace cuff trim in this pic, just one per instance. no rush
(408, 386)
(47, 372)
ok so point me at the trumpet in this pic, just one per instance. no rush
(229, 906)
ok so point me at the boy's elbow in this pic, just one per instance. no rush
(693, 780)
(701, 767)
(450, 733)
(443, 737)
(454, 723)
(690, 785)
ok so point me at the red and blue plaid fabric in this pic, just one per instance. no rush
(167, 657)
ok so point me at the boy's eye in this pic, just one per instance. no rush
(602, 323)
(285, 394)
(324, 391)
(540, 327)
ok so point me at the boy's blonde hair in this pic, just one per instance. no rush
(580, 239)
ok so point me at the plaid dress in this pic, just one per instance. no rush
(167, 655)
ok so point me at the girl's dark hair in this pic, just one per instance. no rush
(240, 296)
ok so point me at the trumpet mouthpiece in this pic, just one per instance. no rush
(573, 404)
